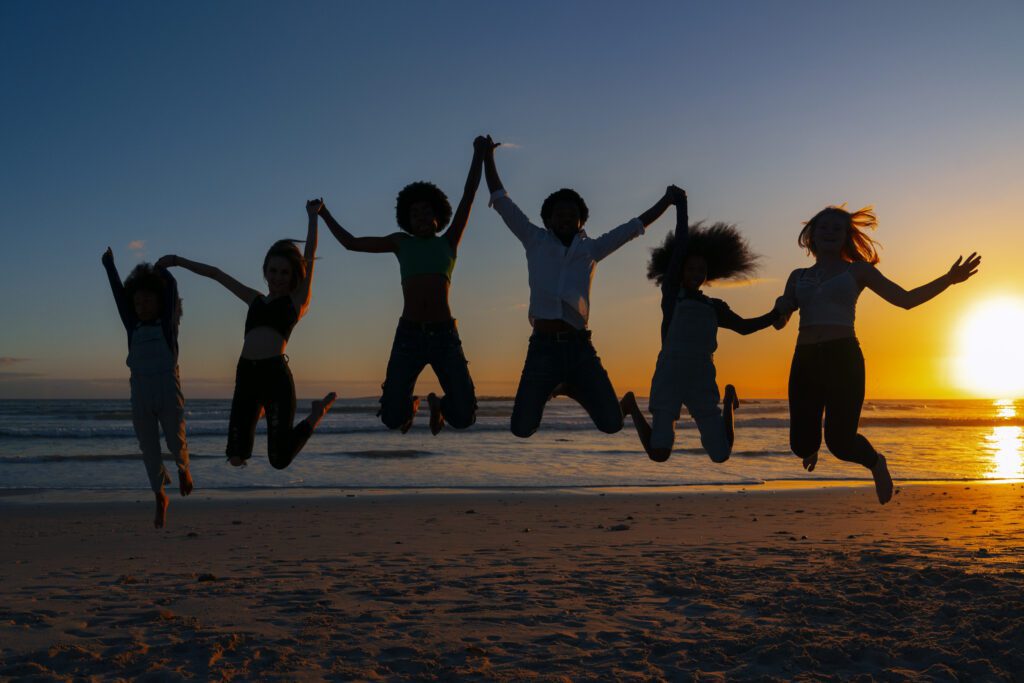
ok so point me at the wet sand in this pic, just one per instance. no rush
(805, 584)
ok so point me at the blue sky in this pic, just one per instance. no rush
(202, 128)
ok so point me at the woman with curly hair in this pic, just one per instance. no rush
(685, 373)
(427, 333)
(263, 382)
(827, 374)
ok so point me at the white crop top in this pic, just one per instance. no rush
(832, 301)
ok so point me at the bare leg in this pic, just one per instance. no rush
(643, 429)
(730, 404)
(883, 480)
(320, 408)
(436, 416)
(162, 501)
(185, 484)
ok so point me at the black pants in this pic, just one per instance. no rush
(828, 378)
(266, 383)
(567, 361)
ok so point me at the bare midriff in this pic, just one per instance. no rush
(545, 326)
(815, 334)
(263, 342)
(426, 298)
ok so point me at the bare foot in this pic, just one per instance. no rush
(731, 397)
(810, 461)
(162, 501)
(321, 408)
(436, 417)
(628, 404)
(883, 480)
(236, 461)
(415, 409)
(185, 484)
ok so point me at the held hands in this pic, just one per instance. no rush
(314, 206)
(166, 261)
(675, 194)
(483, 144)
(784, 308)
(108, 257)
(961, 270)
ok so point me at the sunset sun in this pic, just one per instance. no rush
(988, 359)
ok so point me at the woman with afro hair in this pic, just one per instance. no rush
(827, 374)
(427, 333)
(685, 373)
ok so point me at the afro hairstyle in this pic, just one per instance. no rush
(564, 195)
(721, 245)
(422, 192)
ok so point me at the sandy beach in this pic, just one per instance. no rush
(802, 583)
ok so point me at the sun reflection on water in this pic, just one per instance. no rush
(1006, 445)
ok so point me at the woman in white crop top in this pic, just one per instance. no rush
(827, 374)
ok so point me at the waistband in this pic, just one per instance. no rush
(575, 335)
(432, 326)
(263, 362)
(830, 344)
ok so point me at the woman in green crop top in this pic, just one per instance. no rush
(426, 333)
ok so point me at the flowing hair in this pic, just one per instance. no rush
(858, 246)
(726, 252)
(288, 250)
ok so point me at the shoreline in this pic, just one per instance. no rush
(327, 493)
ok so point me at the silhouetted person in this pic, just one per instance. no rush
(827, 374)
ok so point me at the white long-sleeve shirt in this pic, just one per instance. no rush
(560, 276)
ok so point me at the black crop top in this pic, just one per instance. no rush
(278, 314)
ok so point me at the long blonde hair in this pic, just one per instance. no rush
(858, 246)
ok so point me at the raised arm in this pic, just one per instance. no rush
(512, 215)
(246, 294)
(671, 282)
(303, 291)
(370, 245)
(609, 242)
(461, 218)
(125, 308)
(872, 278)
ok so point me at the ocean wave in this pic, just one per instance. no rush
(375, 454)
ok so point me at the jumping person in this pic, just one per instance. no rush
(427, 333)
(263, 381)
(561, 259)
(685, 373)
(150, 310)
(827, 374)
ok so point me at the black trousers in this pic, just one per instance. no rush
(266, 383)
(827, 379)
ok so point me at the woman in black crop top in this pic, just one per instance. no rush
(263, 381)
(827, 374)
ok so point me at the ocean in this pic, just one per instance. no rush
(79, 445)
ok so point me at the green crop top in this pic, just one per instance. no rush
(422, 255)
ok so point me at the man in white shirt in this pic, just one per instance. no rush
(561, 259)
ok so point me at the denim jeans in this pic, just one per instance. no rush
(569, 362)
(416, 346)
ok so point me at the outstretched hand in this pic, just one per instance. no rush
(108, 257)
(314, 206)
(961, 270)
(483, 144)
(166, 261)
